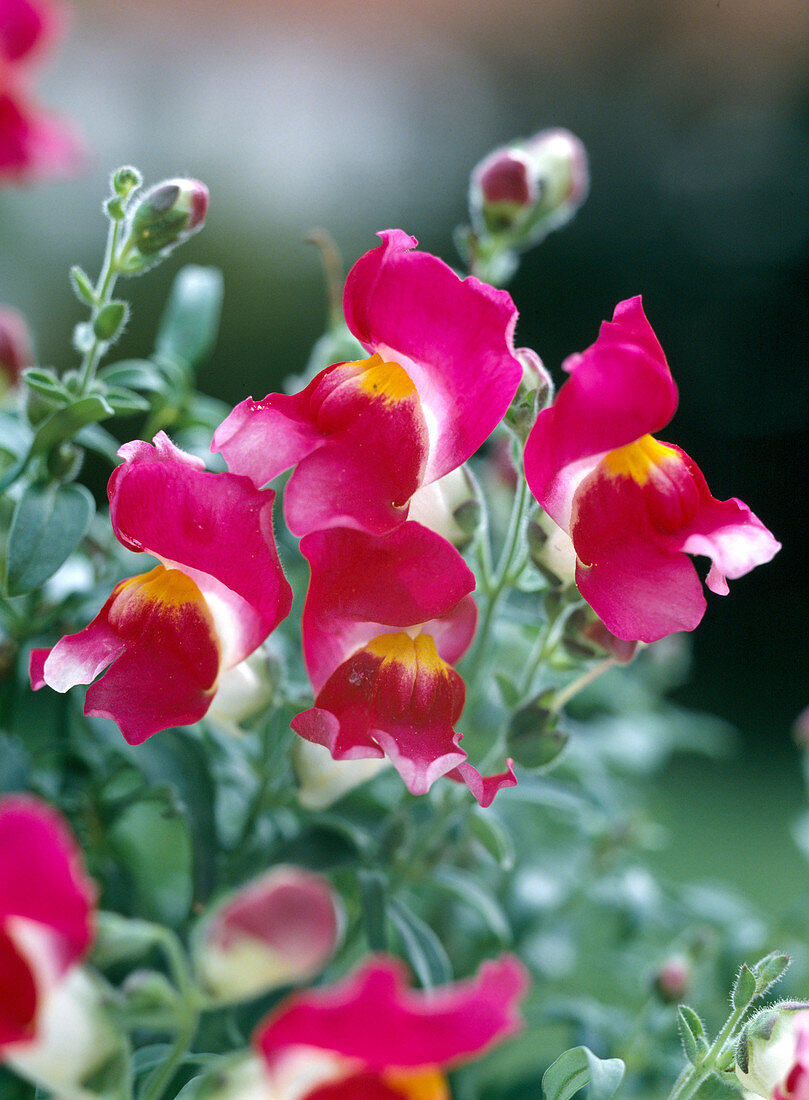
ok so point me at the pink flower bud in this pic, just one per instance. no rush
(166, 215)
(281, 928)
(16, 352)
(772, 1056)
(673, 979)
(528, 188)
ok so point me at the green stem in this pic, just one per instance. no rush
(502, 577)
(103, 292)
(693, 1076)
(162, 1077)
(563, 697)
(545, 643)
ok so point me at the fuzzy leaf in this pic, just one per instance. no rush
(49, 521)
(423, 949)
(579, 1067)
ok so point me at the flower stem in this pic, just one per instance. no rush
(693, 1076)
(103, 293)
(563, 697)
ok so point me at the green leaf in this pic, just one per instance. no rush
(95, 438)
(490, 831)
(422, 947)
(65, 423)
(82, 287)
(467, 889)
(125, 402)
(49, 521)
(46, 384)
(190, 322)
(509, 692)
(579, 1067)
(692, 1033)
(769, 969)
(136, 374)
(110, 320)
(373, 902)
(744, 988)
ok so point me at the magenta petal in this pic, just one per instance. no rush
(452, 336)
(727, 532)
(33, 143)
(24, 26)
(217, 527)
(639, 587)
(41, 880)
(373, 1017)
(619, 390)
(77, 658)
(484, 787)
(261, 439)
(361, 582)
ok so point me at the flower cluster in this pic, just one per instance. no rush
(32, 143)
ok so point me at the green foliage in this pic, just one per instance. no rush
(579, 1068)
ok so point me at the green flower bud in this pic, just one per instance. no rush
(165, 216)
(533, 738)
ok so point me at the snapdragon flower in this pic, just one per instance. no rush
(166, 636)
(32, 142)
(635, 507)
(364, 436)
(370, 1036)
(386, 618)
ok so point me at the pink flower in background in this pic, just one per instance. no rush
(32, 142)
(46, 914)
(363, 436)
(370, 1036)
(634, 507)
(166, 635)
(280, 928)
(385, 619)
(16, 352)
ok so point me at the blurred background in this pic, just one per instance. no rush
(357, 117)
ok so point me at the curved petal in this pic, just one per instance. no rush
(638, 586)
(25, 26)
(396, 695)
(726, 531)
(60, 895)
(373, 1017)
(361, 582)
(453, 337)
(357, 436)
(484, 787)
(216, 527)
(18, 995)
(619, 390)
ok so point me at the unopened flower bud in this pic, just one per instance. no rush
(772, 1055)
(450, 506)
(243, 691)
(586, 635)
(534, 739)
(528, 188)
(165, 216)
(534, 392)
(281, 928)
(673, 980)
(322, 780)
(16, 352)
(552, 552)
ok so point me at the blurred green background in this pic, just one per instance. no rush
(357, 116)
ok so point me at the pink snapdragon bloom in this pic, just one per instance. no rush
(634, 507)
(369, 1037)
(385, 619)
(46, 915)
(32, 143)
(282, 927)
(363, 436)
(166, 636)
